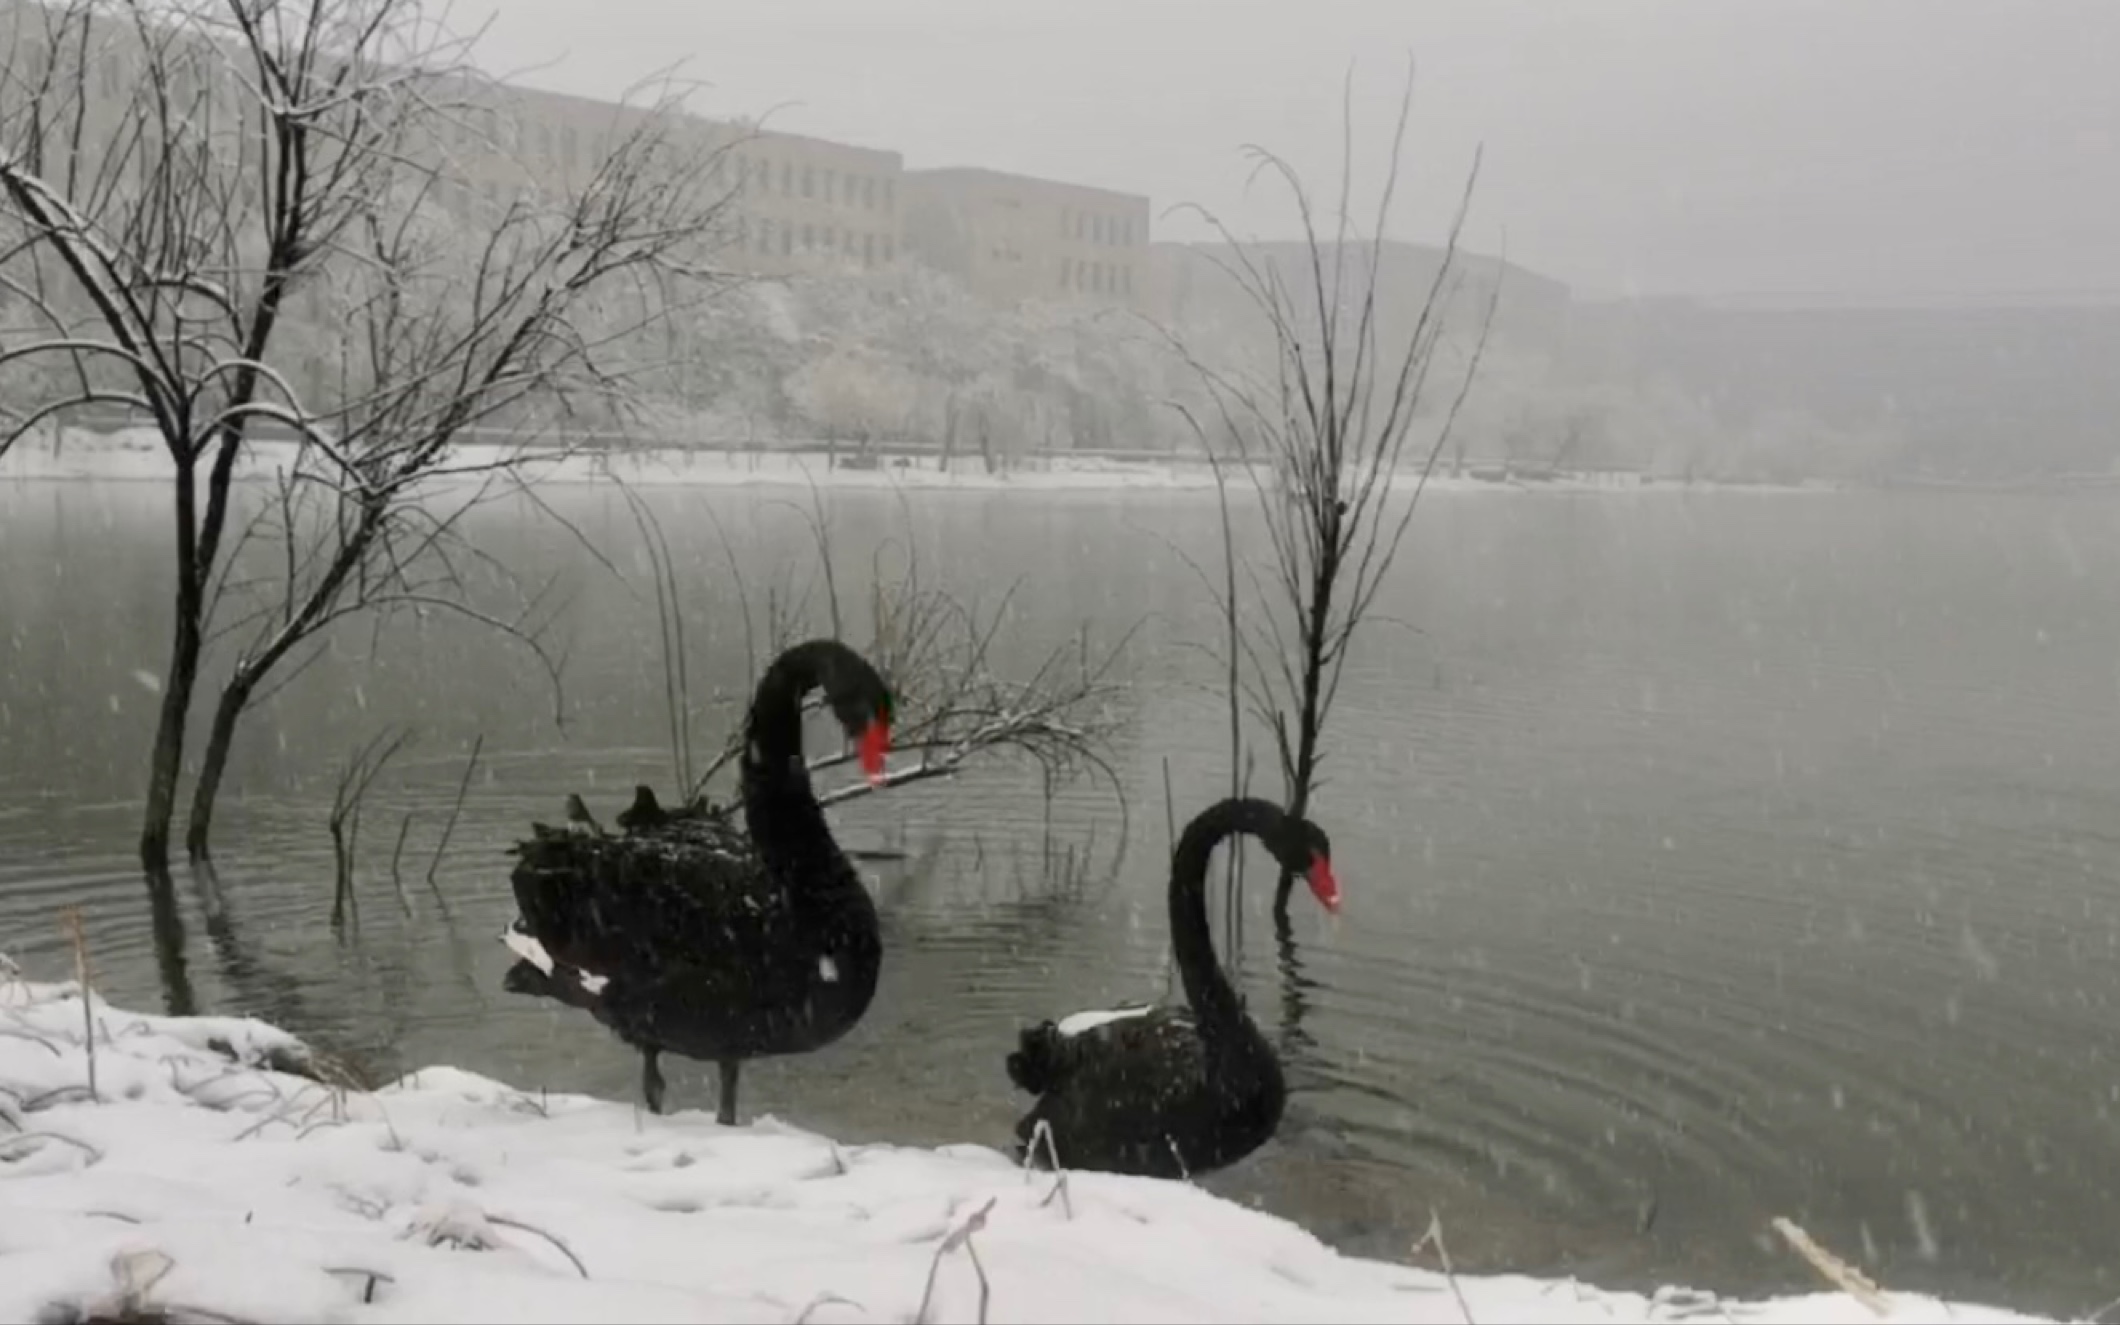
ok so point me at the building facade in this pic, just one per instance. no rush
(809, 204)
(797, 204)
(1012, 238)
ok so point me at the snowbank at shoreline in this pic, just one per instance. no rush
(135, 455)
(197, 1180)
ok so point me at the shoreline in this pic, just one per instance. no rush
(212, 1167)
(135, 456)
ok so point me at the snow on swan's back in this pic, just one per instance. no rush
(1081, 1022)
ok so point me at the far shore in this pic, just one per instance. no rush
(136, 456)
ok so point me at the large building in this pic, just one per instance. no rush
(808, 203)
(1012, 238)
(798, 203)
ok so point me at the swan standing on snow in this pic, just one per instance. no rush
(683, 937)
(1162, 1091)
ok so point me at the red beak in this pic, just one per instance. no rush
(875, 744)
(1322, 885)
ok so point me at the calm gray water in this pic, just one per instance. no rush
(1708, 857)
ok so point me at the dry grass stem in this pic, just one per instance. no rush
(1433, 1237)
(961, 1236)
(1832, 1269)
(70, 920)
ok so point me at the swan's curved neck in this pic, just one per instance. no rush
(1207, 988)
(780, 808)
(773, 732)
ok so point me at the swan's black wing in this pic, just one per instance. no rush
(693, 892)
(1119, 1096)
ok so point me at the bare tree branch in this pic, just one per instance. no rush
(230, 216)
(1325, 445)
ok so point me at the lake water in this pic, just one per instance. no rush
(1708, 857)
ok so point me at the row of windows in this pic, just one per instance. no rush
(787, 239)
(564, 144)
(1101, 277)
(843, 188)
(1091, 228)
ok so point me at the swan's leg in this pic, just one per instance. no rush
(728, 1068)
(651, 1080)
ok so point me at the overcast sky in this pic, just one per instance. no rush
(1649, 146)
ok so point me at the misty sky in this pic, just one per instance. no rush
(1651, 146)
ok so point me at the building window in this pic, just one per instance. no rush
(825, 185)
(809, 239)
(1126, 279)
(868, 193)
(787, 239)
(809, 182)
(1067, 271)
(868, 250)
(887, 241)
(1096, 230)
(890, 195)
(787, 179)
(1067, 221)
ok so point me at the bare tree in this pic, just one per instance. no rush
(1325, 444)
(934, 650)
(242, 216)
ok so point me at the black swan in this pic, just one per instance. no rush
(682, 935)
(1161, 1091)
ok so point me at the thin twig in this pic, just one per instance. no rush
(463, 785)
(564, 1249)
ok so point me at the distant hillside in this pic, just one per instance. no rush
(1970, 391)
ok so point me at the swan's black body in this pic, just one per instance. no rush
(1160, 1091)
(686, 936)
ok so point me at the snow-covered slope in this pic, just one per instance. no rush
(199, 1182)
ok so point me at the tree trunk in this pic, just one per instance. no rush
(1299, 791)
(166, 762)
(235, 698)
(1324, 577)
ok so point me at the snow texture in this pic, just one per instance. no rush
(208, 1177)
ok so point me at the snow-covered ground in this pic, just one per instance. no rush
(136, 455)
(165, 1167)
